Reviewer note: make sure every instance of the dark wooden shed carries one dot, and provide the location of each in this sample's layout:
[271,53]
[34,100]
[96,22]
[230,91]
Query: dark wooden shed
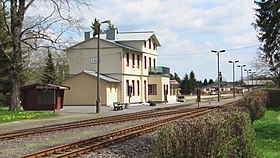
[42,96]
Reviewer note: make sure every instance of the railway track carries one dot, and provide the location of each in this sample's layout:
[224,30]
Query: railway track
[84,146]
[98,121]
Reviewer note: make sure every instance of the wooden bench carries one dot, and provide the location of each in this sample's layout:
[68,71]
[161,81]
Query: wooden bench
[118,106]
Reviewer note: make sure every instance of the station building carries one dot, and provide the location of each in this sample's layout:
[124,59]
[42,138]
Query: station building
[128,61]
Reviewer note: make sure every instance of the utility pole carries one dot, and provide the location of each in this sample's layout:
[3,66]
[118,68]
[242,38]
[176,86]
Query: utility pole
[218,60]
[98,103]
[233,76]
[241,76]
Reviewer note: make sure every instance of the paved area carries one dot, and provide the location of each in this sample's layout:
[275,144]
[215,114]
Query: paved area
[76,113]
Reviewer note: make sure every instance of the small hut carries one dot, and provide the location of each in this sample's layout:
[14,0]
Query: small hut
[42,96]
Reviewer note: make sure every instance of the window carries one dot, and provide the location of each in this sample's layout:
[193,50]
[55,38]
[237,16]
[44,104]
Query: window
[150,43]
[138,61]
[127,59]
[127,87]
[133,60]
[154,62]
[133,87]
[145,44]
[150,62]
[138,87]
[145,62]
[110,87]
[155,46]
[152,89]
[165,89]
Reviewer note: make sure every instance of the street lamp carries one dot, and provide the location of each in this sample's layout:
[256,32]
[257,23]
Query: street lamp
[98,106]
[218,60]
[233,75]
[241,76]
[248,70]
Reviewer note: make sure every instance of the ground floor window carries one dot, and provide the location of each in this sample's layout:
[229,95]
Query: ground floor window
[152,89]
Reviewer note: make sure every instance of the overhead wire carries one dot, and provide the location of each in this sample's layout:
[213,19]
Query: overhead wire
[208,52]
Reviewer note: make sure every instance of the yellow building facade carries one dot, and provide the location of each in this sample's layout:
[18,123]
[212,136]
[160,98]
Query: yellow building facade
[128,57]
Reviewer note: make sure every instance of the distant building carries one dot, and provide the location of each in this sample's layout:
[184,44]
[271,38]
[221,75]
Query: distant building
[127,57]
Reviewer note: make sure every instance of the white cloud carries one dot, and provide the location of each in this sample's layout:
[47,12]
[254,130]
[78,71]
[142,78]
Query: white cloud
[185,27]
[247,38]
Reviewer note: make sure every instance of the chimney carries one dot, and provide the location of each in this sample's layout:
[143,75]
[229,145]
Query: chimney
[111,34]
[87,36]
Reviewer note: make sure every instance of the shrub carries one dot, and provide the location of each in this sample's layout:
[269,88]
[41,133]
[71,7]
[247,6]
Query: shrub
[273,99]
[219,134]
[255,103]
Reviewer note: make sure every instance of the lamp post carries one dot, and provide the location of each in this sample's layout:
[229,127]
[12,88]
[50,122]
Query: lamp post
[218,60]
[241,76]
[98,106]
[233,75]
[248,70]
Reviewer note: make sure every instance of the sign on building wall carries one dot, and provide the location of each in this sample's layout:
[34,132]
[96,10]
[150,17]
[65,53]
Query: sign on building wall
[93,60]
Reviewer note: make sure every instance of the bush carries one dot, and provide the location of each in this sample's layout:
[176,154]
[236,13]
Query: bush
[273,99]
[255,103]
[219,134]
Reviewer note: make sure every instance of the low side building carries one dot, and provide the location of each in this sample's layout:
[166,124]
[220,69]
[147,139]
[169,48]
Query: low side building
[83,89]
[42,96]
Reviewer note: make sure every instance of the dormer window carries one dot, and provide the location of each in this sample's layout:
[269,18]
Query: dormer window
[155,46]
[150,43]
[145,44]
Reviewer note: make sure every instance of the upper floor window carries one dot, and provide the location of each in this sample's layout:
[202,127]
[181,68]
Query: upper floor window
[150,62]
[145,44]
[145,62]
[150,43]
[133,60]
[138,61]
[127,59]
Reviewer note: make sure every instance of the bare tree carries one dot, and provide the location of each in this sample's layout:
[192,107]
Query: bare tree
[35,31]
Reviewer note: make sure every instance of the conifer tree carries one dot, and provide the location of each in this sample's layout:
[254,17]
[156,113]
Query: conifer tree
[267,25]
[49,75]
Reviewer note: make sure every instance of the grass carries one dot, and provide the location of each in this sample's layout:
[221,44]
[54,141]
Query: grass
[10,116]
[268,133]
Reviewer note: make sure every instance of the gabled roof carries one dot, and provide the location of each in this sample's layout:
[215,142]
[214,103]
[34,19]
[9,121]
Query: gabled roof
[174,82]
[136,36]
[103,77]
[45,86]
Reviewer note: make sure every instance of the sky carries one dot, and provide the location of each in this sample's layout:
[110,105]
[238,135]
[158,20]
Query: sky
[187,30]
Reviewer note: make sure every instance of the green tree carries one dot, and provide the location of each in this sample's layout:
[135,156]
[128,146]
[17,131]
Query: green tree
[267,25]
[5,60]
[192,82]
[177,78]
[211,81]
[185,85]
[205,82]
[30,32]
[95,26]
[49,75]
